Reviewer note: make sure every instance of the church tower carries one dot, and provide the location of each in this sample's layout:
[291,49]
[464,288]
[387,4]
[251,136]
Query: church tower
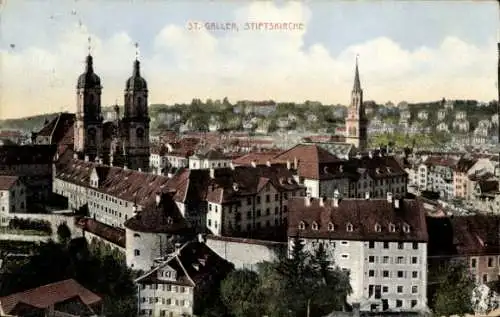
[136,121]
[89,120]
[356,121]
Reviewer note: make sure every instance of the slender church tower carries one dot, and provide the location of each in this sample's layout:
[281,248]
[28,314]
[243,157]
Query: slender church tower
[89,120]
[136,120]
[356,121]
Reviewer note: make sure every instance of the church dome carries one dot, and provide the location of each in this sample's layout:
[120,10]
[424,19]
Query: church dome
[136,82]
[89,79]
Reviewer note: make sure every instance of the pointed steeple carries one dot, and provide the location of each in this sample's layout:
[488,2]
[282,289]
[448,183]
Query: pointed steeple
[137,66]
[89,62]
[357,83]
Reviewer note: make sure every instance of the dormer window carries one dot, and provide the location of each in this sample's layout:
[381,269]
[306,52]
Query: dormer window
[302,225]
[314,225]
[331,227]
[392,228]
[349,227]
[406,228]
[378,228]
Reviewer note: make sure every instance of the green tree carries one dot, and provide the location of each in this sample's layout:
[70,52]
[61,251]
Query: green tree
[63,233]
[453,296]
[240,293]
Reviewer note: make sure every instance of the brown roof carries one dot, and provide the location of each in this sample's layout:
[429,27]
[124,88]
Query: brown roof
[364,216]
[111,234]
[464,235]
[58,127]
[212,154]
[310,158]
[48,295]
[377,166]
[10,134]
[27,154]
[464,165]
[6,182]
[194,263]
[440,161]
[260,158]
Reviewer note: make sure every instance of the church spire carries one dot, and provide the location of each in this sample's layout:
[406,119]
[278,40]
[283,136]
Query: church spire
[89,62]
[357,83]
[137,66]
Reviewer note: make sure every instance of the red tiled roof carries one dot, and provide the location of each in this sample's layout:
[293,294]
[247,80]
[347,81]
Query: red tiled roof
[310,158]
[260,158]
[111,234]
[440,161]
[48,295]
[364,216]
[6,182]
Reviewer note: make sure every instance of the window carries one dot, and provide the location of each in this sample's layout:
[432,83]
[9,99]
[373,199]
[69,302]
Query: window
[385,259]
[414,289]
[136,235]
[406,228]
[349,227]
[345,256]
[414,303]
[371,244]
[400,260]
[392,228]
[400,274]
[385,289]
[258,199]
[415,245]
[473,263]
[386,245]
[137,252]
[378,228]
[399,303]
[344,243]
[401,245]
[315,226]
[331,227]
[414,274]
[400,289]
[249,200]
[485,278]
[302,225]
[414,260]
[385,273]
[371,259]
[490,262]
[371,273]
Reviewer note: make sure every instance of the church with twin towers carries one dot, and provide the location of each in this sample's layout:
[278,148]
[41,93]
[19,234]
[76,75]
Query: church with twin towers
[123,141]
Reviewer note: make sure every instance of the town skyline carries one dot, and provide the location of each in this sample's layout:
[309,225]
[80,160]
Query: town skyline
[440,57]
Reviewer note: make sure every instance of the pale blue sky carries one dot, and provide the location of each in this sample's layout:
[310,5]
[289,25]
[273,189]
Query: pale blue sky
[333,30]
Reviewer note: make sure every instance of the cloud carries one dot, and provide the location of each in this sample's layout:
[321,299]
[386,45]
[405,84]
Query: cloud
[186,64]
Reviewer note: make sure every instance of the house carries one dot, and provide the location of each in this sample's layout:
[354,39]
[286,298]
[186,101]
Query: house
[436,174]
[157,159]
[65,298]
[473,239]
[33,165]
[382,243]
[423,115]
[12,198]
[178,285]
[210,159]
[460,177]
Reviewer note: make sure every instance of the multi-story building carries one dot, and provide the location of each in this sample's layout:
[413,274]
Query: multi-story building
[461,177]
[472,239]
[33,165]
[436,174]
[210,159]
[177,286]
[381,242]
[157,160]
[12,198]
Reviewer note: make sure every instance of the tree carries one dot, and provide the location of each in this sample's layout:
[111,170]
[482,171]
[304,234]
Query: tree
[453,296]
[240,293]
[63,233]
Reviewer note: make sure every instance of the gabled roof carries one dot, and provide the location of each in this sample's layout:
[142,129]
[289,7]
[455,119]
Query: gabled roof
[48,295]
[194,263]
[464,165]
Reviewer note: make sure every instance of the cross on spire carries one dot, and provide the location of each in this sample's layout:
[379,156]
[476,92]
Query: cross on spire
[136,51]
[90,45]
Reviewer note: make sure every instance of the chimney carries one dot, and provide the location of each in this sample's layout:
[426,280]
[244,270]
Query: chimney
[295,163]
[321,202]
[139,169]
[268,163]
[288,165]
[86,158]
[370,154]
[396,203]
[307,201]
[389,197]
[125,167]
[367,195]
[254,164]
[212,173]
[201,238]
[158,199]
[75,156]
[231,165]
